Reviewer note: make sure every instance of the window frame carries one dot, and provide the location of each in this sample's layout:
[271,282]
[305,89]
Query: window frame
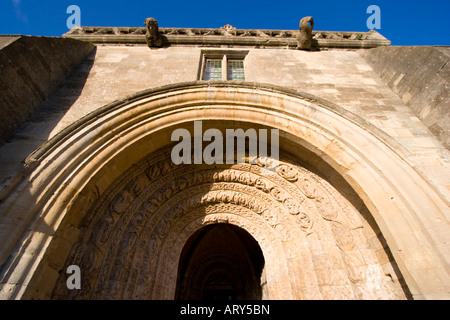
[237,70]
[206,67]
[225,56]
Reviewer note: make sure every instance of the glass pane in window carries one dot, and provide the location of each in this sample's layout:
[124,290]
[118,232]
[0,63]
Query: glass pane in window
[236,70]
[213,70]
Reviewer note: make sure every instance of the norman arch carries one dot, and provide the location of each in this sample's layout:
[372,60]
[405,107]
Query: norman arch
[220,262]
[100,171]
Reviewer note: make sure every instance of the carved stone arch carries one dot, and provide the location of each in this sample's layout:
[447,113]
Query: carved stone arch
[63,180]
[218,190]
[275,267]
[134,236]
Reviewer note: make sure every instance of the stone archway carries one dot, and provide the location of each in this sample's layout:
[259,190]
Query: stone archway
[316,242]
[77,187]
[220,262]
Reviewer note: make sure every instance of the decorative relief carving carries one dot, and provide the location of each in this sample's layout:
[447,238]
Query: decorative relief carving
[343,236]
[132,228]
[121,202]
[102,231]
[283,36]
[288,172]
[277,193]
[323,205]
[228,30]
[292,206]
[262,185]
[305,222]
[309,188]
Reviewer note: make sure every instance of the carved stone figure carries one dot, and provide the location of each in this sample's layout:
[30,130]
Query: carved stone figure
[228,30]
[288,173]
[305,36]
[152,35]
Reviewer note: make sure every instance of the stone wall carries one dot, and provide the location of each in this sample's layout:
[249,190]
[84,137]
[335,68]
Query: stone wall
[31,69]
[420,76]
[343,77]
[375,140]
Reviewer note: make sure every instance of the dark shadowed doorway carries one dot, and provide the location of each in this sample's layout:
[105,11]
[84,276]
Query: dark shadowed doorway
[220,262]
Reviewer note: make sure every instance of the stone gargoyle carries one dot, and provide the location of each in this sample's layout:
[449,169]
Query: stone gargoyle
[152,35]
[304,38]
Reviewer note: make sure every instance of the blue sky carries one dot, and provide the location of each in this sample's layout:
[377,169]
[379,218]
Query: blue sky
[414,22]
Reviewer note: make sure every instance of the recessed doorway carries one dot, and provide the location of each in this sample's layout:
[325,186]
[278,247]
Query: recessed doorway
[220,262]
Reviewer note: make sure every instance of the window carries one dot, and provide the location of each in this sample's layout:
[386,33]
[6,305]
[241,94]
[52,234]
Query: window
[223,65]
[213,70]
[236,70]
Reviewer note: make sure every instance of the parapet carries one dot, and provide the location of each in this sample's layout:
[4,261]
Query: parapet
[228,36]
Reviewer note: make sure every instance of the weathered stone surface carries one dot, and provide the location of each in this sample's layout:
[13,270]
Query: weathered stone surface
[305,37]
[32,68]
[394,219]
[357,210]
[152,34]
[156,214]
[421,78]
[229,37]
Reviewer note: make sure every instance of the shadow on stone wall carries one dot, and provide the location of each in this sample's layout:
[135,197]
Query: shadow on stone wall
[28,127]
[420,76]
[31,69]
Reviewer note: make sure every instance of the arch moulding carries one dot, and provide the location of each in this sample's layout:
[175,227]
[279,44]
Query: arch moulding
[63,179]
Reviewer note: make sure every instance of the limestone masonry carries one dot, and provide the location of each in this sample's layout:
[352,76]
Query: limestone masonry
[358,207]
